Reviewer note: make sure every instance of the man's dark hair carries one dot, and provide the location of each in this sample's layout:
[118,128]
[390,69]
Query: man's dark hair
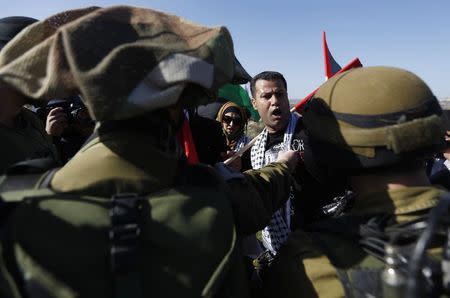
[267,76]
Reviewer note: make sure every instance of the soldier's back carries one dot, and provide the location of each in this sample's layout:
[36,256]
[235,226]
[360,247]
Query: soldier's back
[118,229]
[329,260]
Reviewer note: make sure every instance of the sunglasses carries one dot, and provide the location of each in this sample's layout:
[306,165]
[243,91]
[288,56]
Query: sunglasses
[228,119]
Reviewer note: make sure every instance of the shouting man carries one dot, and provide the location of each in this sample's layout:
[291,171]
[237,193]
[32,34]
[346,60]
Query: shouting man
[315,187]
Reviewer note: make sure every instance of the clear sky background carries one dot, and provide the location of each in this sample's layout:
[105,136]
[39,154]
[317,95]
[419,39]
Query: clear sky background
[287,35]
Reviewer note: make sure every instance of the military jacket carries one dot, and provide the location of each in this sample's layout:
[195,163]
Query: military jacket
[189,233]
[305,268]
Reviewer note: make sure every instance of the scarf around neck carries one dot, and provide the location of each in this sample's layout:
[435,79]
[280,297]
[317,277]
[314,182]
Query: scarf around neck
[276,233]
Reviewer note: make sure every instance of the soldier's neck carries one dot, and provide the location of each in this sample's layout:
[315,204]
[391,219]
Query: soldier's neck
[368,184]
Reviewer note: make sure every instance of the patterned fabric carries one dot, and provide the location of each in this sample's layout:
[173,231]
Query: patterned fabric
[276,233]
[243,140]
[125,61]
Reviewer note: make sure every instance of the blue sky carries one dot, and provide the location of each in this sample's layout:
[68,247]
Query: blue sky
[287,35]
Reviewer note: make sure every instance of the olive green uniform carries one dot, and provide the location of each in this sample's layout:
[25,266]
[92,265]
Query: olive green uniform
[53,253]
[27,140]
[305,268]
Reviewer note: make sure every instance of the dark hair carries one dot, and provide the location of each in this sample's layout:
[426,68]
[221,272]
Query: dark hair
[267,76]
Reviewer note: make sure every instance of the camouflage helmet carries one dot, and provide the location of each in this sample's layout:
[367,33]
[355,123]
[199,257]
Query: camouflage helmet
[374,117]
[125,61]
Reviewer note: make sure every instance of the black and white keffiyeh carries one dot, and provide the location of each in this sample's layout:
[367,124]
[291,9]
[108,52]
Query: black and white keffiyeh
[276,233]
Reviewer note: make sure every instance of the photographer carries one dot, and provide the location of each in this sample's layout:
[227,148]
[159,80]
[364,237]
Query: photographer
[68,122]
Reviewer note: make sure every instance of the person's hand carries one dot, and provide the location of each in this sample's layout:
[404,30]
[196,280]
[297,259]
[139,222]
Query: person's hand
[56,122]
[290,157]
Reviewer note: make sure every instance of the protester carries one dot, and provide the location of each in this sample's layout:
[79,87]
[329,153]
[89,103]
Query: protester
[127,215]
[233,120]
[377,124]
[22,133]
[285,131]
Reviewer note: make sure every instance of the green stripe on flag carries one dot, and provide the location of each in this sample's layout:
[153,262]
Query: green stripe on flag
[239,96]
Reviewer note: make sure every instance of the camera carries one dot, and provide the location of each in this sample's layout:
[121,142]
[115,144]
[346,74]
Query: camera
[74,108]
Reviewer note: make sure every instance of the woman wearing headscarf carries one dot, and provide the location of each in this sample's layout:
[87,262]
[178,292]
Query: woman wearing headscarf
[233,119]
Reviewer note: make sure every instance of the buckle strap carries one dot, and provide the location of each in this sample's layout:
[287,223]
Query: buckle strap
[125,213]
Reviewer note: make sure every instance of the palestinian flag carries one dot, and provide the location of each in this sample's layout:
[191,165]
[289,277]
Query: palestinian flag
[331,66]
[239,96]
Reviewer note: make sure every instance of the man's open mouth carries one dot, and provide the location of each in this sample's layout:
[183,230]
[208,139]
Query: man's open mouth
[276,112]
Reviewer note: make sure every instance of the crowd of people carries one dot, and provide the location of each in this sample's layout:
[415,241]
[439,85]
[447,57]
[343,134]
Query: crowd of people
[114,182]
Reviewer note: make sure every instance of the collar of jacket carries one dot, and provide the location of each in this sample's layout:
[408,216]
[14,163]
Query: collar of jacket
[118,162]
